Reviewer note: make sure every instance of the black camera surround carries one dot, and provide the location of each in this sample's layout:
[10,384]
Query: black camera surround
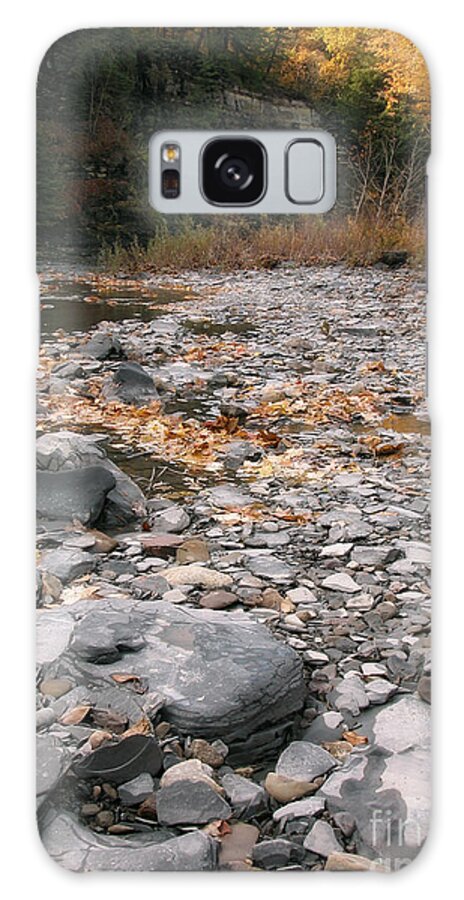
[233,171]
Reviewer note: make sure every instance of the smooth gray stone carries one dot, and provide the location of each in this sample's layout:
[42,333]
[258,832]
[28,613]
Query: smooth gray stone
[68,450]
[102,346]
[377,555]
[247,798]
[271,568]
[243,686]
[186,802]
[73,494]
[303,761]
[171,520]
[80,850]
[104,638]
[67,564]
[123,761]
[130,383]
[350,694]
[52,761]
[321,840]
[136,790]
[53,633]
[238,452]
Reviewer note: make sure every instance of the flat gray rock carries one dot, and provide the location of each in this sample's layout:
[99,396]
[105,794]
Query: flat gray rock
[136,790]
[102,346]
[75,494]
[376,555]
[53,633]
[321,840]
[310,806]
[67,450]
[350,694]
[247,798]
[225,496]
[171,520]
[52,761]
[80,850]
[303,761]
[130,383]
[222,675]
[277,853]
[341,581]
[385,785]
[270,568]
[187,802]
[67,564]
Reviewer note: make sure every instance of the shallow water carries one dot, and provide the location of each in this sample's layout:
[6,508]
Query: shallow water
[79,306]
[404,423]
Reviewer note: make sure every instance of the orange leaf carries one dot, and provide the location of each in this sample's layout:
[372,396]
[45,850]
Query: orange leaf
[353,738]
[124,677]
[76,715]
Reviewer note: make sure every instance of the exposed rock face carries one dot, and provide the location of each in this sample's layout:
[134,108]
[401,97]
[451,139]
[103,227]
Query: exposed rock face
[76,494]
[386,786]
[222,675]
[116,498]
[80,850]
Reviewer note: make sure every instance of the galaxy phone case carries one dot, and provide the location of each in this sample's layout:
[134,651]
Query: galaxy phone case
[233,664]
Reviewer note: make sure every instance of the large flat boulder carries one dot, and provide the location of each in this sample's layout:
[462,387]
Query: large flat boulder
[385,785]
[80,850]
[223,676]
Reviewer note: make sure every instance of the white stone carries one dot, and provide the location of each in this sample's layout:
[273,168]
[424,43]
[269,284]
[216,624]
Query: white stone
[341,581]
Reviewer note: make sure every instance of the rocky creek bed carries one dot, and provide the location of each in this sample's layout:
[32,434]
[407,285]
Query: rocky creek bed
[233,666]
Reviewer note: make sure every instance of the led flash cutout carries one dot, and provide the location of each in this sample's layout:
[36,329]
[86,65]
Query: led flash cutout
[170,153]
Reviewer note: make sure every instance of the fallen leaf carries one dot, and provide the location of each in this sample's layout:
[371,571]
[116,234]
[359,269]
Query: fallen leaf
[217,829]
[75,716]
[97,738]
[143,726]
[124,677]
[353,738]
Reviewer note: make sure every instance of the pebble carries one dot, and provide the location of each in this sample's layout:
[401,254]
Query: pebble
[135,791]
[208,753]
[285,789]
[191,551]
[185,802]
[342,582]
[196,575]
[299,809]
[218,600]
[237,845]
[246,798]
[276,854]
[321,839]
[304,761]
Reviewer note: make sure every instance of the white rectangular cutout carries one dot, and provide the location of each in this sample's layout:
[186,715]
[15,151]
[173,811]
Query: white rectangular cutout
[300,172]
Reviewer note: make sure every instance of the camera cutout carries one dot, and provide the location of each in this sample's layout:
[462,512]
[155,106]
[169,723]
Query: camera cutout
[233,171]
[289,171]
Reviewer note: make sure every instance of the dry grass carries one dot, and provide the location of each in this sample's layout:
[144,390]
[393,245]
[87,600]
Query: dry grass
[237,243]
